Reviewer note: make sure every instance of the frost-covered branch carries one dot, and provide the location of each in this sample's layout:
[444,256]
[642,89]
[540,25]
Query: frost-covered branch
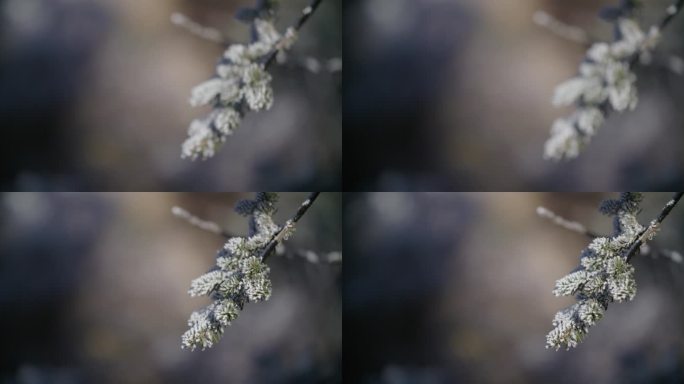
[605,274]
[606,81]
[242,82]
[561,29]
[280,250]
[650,232]
[241,275]
[579,228]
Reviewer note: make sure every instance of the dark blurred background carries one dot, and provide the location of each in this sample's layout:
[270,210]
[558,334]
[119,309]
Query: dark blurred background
[93,289]
[456,95]
[456,288]
[94,96]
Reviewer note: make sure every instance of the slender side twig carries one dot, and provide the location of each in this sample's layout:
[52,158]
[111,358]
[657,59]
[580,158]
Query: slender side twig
[195,221]
[278,237]
[649,231]
[562,29]
[197,29]
[562,222]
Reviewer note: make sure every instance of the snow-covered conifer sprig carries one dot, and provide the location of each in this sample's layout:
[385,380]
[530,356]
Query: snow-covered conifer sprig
[242,82]
[241,275]
[604,275]
[605,81]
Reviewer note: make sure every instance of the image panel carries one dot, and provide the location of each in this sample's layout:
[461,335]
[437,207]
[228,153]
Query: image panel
[170,288]
[513,288]
[179,95]
[488,95]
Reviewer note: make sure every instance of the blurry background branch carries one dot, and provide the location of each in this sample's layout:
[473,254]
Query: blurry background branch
[211,34]
[202,224]
[562,222]
[566,31]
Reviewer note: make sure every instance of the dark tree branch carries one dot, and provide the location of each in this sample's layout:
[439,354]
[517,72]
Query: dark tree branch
[303,18]
[643,235]
[278,237]
[672,11]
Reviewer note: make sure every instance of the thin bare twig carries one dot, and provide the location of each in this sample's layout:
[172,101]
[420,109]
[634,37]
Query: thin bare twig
[195,221]
[562,29]
[197,29]
[562,222]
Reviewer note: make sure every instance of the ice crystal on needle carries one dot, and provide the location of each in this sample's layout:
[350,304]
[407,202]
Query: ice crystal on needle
[604,275]
[240,275]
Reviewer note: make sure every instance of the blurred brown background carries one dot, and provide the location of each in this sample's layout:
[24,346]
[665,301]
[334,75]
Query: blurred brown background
[93,289]
[94,96]
[456,288]
[456,95]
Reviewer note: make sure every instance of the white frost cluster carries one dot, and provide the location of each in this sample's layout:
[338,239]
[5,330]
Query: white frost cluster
[240,277]
[241,84]
[604,276]
[605,81]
